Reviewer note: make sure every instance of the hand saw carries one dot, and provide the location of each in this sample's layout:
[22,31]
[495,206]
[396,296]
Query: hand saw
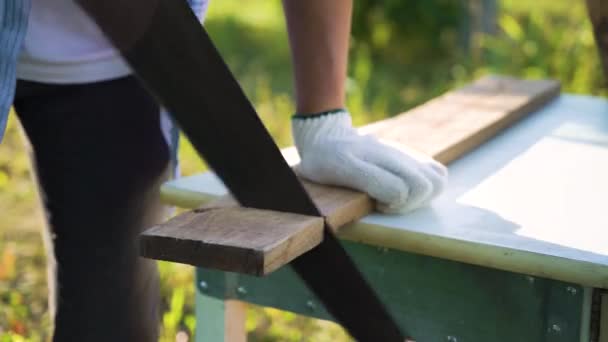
[174,57]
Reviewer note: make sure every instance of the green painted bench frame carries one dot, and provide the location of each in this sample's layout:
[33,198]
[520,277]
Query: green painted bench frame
[444,301]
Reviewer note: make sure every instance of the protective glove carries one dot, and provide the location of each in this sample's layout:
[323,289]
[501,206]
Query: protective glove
[332,152]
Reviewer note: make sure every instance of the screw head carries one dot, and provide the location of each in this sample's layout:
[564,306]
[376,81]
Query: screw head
[451,338]
[203,285]
[556,328]
[311,305]
[241,290]
[530,279]
[571,290]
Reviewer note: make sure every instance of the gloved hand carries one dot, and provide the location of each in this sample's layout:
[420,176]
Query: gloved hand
[332,152]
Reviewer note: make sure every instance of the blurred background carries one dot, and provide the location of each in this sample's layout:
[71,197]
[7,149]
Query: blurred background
[402,54]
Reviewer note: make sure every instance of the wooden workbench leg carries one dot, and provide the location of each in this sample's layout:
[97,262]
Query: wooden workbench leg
[599,20]
[218,320]
[234,321]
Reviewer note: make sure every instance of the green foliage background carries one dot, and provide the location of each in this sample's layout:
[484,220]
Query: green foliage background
[403,53]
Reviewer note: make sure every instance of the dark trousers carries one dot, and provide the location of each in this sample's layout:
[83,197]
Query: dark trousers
[99,157]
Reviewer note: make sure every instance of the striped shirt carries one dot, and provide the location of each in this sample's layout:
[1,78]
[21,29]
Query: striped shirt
[13,25]
[14,16]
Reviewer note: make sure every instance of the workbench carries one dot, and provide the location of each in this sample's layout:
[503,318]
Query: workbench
[516,249]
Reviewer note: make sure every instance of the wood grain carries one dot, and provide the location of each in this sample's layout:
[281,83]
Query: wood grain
[239,239]
[598,13]
[449,126]
[232,238]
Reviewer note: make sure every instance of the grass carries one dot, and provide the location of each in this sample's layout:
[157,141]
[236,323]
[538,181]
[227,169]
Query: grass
[543,39]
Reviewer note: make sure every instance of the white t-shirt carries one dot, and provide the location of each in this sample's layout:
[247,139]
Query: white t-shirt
[63,45]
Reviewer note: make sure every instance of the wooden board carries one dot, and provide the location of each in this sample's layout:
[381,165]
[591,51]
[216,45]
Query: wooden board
[230,238]
[444,128]
[457,122]
[598,14]
[525,201]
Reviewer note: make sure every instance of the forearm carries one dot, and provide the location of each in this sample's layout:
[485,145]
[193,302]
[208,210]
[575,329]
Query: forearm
[319,32]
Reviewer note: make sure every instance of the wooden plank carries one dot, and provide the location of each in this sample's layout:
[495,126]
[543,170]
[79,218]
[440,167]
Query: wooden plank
[599,19]
[457,122]
[223,236]
[444,128]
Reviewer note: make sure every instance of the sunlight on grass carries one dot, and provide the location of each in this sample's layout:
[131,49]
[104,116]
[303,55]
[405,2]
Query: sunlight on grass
[257,14]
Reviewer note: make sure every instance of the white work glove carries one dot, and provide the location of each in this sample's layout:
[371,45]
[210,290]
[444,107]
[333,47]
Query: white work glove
[333,152]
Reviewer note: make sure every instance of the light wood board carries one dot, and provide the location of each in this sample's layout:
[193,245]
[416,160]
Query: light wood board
[445,128]
[451,125]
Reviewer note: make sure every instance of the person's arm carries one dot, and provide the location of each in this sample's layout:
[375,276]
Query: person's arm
[331,150]
[319,32]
